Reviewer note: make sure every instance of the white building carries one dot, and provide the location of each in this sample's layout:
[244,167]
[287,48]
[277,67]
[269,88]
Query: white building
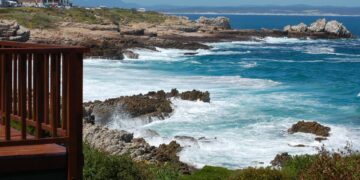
[141,10]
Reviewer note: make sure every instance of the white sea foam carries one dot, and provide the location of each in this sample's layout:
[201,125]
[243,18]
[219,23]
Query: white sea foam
[284,40]
[248,65]
[237,146]
[358,95]
[162,54]
[118,78]
[320,50]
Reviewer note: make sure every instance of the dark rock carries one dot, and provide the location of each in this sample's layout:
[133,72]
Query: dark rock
[167,152]
[299,145]
[320,139]
[196,95]
[133,32]
[186,138]
[190,53]
[280,159]
[151,105]
[186,28]
[310,127]
[174,93]
[131,54]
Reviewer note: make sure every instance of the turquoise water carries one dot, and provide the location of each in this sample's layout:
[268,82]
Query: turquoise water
[258,90]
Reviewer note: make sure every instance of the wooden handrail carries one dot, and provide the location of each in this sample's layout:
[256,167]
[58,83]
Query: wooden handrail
[36,92]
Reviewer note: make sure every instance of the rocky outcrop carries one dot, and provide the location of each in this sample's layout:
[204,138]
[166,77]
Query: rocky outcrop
[195,95]
[310,127]
[318,26]
[337,28]
[321,28]
[117,142]
[218,22]
[297,28]
[168,153]
[12,31]
[151,105]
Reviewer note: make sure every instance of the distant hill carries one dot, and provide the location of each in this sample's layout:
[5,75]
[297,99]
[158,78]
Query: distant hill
[268,9]
[296,9]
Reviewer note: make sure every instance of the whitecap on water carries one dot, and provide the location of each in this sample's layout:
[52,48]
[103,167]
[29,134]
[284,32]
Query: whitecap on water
[319,50]
[248,65]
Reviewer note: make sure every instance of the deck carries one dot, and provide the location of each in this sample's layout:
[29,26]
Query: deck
[36,157]
[40,96]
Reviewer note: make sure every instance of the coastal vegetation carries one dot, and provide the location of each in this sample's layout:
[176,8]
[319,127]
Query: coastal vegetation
[47,18]
[344,164]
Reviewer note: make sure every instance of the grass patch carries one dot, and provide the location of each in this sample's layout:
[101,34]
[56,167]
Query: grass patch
[99,166]
[324,165]
[47,18]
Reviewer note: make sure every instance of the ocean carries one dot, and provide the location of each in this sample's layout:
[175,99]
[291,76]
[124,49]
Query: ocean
[258,90]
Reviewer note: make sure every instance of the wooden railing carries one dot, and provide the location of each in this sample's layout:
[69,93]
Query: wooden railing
[41,90]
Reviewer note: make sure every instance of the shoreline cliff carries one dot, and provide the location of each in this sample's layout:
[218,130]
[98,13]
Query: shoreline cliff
[112,33]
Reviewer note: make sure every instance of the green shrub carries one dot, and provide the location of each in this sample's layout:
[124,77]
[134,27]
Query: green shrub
[209,173]
[296,165]
[100,166]
[257,174]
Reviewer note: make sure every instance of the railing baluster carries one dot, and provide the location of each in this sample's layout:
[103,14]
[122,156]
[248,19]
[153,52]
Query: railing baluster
[39,93]
[55,93]
[46,88]
[2,76]
[65,62]
[15,91]
[30,89]
[8,104]
[22,93]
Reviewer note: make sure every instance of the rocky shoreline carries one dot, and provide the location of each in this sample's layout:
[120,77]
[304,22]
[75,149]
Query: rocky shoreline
[119,142]
[115,41]
[158,105]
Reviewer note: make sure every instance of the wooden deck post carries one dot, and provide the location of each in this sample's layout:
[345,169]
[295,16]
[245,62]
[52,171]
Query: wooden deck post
[74,115]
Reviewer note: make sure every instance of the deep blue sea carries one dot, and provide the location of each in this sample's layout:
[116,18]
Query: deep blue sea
[258,90]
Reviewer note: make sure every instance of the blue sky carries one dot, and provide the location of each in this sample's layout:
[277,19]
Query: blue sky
[244,2]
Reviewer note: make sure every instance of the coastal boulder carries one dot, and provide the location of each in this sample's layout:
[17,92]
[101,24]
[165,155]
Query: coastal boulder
[310,127]
[318,25]
[337,28]
[219,22]
[297,28]
[12,31]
